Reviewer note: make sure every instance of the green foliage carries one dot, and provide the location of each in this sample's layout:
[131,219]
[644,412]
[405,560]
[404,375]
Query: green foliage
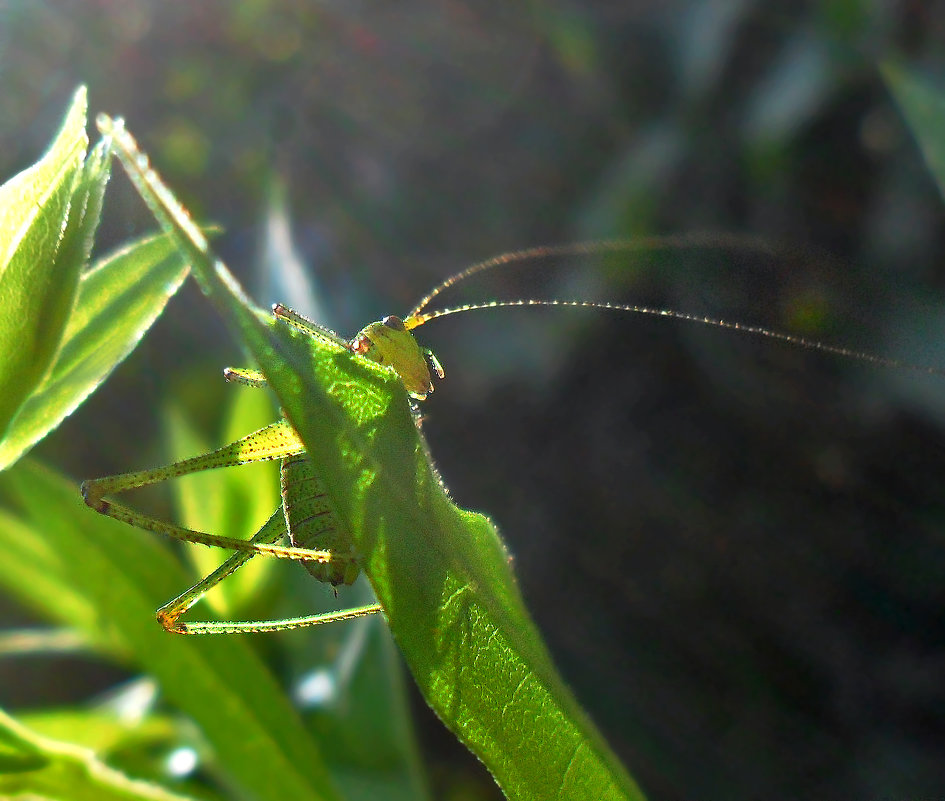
[37,766]
[46,225]
[441,573]
[64,328]
[105,581]
[125,575]
[677,502]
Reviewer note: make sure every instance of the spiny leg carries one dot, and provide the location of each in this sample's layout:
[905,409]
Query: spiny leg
[271,531]
[274,528]
[306,325]
[275,441]
[261,626]
[242,375]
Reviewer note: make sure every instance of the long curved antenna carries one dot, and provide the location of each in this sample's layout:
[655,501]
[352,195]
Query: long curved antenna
[415,321]
[719,241]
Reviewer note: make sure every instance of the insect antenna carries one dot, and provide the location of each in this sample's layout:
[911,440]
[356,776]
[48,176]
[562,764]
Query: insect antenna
[646,244]
[418,317]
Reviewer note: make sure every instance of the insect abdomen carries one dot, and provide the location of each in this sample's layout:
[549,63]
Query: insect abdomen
[313,524]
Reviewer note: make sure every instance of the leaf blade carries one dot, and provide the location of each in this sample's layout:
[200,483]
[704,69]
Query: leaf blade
[40,257]
[117,302]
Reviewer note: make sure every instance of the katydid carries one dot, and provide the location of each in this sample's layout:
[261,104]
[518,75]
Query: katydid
[317,537]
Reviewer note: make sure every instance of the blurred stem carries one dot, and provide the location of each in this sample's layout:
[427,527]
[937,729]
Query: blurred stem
[32,765]
[30,642]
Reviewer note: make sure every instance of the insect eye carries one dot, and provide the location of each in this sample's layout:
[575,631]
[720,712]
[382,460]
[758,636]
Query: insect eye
[394,322]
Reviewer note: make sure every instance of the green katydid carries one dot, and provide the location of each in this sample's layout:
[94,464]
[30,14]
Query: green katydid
[306,517]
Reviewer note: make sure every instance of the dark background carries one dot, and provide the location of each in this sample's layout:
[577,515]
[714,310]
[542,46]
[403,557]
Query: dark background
[734,548]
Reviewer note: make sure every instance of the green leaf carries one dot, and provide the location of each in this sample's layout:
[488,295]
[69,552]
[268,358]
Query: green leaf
[924,110]
[44,232]
[32,766]
[117,301]
[122,575]
[440,572]
[104,729]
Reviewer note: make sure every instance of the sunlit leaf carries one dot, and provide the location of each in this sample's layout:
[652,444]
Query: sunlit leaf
[43,236]
[117,301]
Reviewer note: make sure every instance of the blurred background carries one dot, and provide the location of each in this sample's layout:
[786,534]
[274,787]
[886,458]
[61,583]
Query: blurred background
[735,549]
